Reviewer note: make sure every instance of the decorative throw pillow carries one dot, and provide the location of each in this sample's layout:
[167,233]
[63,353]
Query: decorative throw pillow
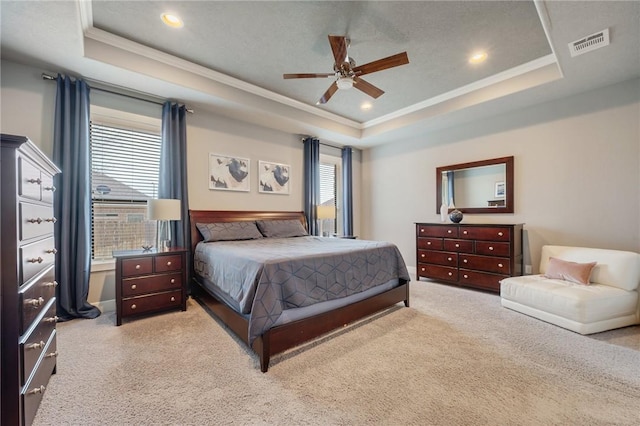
[228,231]
[281,228]
[578,273]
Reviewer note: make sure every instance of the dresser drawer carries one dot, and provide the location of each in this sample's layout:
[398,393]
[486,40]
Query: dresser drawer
[47,188]
[29,179]
[498,265]
[34,297]
[491,248]
[33,391]
[482,280]
[36,257]
[438,257]
[168,263]
[34,344]
[437,231]
[437,272]
[150,284]
[430,243]
[496,233]
[137,266]
[154,302]
[458,245]
[35,220]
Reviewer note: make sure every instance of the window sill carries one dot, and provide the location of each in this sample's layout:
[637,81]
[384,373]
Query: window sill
[103,265]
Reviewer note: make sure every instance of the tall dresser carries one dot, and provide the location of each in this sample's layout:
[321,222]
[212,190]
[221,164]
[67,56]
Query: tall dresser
[470,255]
[28,318]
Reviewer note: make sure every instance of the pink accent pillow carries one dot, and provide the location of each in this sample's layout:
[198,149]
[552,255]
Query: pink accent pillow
[578,273]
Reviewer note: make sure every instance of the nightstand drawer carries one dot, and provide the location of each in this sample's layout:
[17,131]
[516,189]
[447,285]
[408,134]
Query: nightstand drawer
[168,263]
[152,283]
[137,266]
[151,303]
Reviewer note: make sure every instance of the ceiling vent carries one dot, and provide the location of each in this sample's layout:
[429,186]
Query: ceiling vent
[589,43]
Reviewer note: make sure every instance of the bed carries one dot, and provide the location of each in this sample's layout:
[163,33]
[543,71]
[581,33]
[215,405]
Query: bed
[286,302]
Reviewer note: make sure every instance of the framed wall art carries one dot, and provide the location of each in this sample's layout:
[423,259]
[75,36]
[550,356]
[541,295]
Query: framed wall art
[229,173]
[273,178]
[500,190]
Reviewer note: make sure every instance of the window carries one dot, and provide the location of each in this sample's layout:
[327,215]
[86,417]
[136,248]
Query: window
[124,175]
[329,184]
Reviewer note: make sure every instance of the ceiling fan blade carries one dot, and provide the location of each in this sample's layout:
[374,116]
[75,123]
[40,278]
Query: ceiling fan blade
[339,48]
[329,93]
[367,88]
[382,64]
[326,75]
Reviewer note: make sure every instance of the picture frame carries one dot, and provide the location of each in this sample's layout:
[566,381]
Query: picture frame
[229,173]
[274,178]
[501,189]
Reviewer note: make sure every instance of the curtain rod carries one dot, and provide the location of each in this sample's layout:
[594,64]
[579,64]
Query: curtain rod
[302,138]
[113,92]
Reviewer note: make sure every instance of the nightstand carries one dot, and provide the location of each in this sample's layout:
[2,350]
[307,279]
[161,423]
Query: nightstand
[150,281]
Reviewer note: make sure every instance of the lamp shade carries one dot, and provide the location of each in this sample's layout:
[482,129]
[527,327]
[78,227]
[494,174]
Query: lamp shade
[163,209]
[326,212]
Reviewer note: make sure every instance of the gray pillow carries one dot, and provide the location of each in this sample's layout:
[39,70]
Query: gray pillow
[228,231]
[281,228]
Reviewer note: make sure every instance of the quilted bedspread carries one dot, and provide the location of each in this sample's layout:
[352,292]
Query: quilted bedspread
[269,275]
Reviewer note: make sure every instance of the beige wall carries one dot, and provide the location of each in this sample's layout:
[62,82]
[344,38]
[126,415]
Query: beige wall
[577,173]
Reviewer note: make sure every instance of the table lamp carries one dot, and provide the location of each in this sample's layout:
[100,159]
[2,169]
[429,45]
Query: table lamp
[163,210]
[324,213]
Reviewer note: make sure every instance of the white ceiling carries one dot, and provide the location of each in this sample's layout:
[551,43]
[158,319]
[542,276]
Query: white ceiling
[230,56]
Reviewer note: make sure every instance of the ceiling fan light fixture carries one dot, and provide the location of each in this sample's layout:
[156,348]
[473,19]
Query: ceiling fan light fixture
[478,57]
[171,20]
[345,83]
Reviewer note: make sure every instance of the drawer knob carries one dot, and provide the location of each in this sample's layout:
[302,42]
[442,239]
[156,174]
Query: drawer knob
[450,273]
[137,266]
[36,345]
[35,260]
[500,265]
[51,319]
[422,269]
[38,181]
[36,390]
[466,276]
[465,260]
[421,230]
[422,255]
[52,251]
[173,299]
[133,306]
[449,259]
[449,231]
[500,234]
[50,219]
[465,232]
[133,286]
[169,263]
[490,248]
[34,302]
[173,280]
[52,354]
[428,243]
[36,220]
[457,245]
[49,188]
[51,284]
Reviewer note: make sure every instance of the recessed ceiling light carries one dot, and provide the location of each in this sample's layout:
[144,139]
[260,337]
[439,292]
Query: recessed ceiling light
[171,20]
[366,106]
[478,57]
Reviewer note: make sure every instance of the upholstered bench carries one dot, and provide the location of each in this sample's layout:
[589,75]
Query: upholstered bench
[608,300]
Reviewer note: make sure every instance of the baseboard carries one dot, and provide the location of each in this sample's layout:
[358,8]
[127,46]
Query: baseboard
[105,305]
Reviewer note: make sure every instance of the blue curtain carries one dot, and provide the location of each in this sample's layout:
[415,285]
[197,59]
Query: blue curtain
[172,182]
[347,191]
[72,204]
[311,182]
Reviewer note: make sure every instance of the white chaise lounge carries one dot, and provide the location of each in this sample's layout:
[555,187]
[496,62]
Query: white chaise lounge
[609,301]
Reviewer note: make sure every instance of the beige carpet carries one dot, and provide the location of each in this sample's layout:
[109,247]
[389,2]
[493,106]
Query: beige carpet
[455,358]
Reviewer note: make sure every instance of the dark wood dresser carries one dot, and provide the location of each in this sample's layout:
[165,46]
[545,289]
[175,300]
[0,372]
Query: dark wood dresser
[150,281]
[28,319]
[470,255]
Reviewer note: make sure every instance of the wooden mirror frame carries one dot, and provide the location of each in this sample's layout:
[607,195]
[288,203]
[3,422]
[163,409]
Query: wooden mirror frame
[507,161]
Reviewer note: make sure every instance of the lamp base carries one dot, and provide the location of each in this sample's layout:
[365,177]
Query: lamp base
[163,242]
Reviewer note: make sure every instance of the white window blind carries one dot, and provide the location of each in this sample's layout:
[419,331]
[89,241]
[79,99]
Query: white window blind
[124,174]
[328,193]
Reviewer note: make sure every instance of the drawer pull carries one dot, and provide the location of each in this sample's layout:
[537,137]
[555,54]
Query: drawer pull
[34,302]
[133,286]
[421,230]
[38,181]
[500,234]
[51,319]
[422,255]
[466,276]
[51,219]
[133,306]
[457,245]
[36,345]
[173,280]
[422,269]
[173,299]
[35,260]
[34,391]
[449,259]
[51,354]
[51,284]
[465,260]
[428,243]
[36,220]
[449,231]
[450,273]
[49,188]
[500,265]
[51,251]
[490,248]
[137,266]
[169,263]
[465,232]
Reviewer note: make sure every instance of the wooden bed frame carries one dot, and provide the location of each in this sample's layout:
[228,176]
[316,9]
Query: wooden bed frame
[286,336]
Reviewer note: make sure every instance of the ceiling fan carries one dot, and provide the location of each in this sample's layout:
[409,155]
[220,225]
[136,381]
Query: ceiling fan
[347,74]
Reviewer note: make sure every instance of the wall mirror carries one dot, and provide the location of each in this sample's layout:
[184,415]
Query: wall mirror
[478,187]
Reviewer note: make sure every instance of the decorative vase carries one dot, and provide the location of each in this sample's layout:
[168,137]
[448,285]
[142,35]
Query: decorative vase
[443,212]
[455,216]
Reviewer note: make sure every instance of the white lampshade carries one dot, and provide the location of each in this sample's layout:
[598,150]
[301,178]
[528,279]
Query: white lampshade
[163,209]
[326,212]
[345,83]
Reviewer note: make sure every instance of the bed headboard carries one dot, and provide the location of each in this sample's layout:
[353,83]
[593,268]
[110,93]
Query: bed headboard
[211,216]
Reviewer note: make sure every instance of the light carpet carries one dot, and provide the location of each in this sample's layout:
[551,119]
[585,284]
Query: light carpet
[456,357]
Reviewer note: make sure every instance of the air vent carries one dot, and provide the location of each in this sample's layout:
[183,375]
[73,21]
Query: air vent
[589,43]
